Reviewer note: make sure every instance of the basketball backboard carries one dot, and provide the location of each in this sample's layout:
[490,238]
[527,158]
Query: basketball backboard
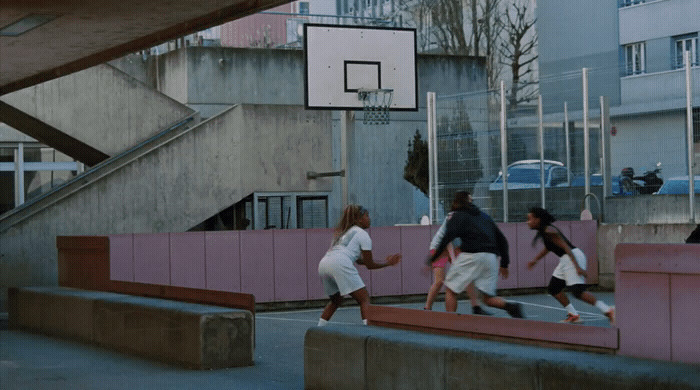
[342,60]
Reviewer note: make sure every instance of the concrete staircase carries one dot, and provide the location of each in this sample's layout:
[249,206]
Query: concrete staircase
[91,115]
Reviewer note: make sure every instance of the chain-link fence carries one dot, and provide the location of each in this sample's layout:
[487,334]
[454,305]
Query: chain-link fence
[636,142]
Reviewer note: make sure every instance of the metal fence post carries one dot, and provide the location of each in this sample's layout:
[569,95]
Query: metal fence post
[540,143]
[586,140]
[432,156]
[568,144]
[689,134]
[605,150]
[504,151]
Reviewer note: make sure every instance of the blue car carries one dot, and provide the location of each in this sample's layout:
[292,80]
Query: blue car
[678,185]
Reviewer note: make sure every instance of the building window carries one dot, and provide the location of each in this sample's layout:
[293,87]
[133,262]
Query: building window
[274,212]
[696,124]
[627,3]
[635,58]
[686,44]
[303,8]
[312,212]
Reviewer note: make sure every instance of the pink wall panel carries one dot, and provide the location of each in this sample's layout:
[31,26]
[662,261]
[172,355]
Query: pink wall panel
[317,243]
[152,258]
[290,265]
[121,257]
[223,261]
[685,318]
[415,241]
[386,240]
[257,268]
[583,235]
[529,277]
[187,260]
[510,231]
[643,315]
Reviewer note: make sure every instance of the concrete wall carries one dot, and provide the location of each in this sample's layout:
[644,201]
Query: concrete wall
[371,357]
[642,141]
[611,234]
[174,187]
[658,90]
[210,79]
[649,209]
[659,18]
[568,42]
[100,106]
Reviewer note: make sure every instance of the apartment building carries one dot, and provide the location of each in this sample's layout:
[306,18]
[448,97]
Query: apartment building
[634,52]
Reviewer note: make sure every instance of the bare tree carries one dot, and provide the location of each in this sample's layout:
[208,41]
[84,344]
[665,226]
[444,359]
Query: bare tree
[491,27]
[443,25]
[518,52]
[448,26]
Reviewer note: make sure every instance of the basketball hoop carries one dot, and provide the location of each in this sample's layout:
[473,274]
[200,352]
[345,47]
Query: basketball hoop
[376,103]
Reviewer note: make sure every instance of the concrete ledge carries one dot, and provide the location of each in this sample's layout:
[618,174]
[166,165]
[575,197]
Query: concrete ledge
[379,358]
[195,335]
[543,334]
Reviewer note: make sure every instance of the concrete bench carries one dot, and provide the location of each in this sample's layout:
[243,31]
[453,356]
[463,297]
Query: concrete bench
[369,357]
[195,335]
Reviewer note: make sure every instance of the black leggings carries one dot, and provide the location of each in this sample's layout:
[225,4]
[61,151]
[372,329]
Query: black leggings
[556,286]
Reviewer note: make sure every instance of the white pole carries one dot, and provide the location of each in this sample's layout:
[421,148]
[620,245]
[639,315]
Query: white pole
[689,135]
[504,152]
[432,156]
[19,175]
[586,141]
[568,145]
[605,150]
[540,138]
[345,118]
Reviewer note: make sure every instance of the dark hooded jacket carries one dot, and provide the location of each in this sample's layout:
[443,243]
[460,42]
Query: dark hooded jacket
[478,233]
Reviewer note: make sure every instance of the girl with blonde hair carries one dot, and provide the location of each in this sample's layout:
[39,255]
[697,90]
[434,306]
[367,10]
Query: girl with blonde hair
[351,244]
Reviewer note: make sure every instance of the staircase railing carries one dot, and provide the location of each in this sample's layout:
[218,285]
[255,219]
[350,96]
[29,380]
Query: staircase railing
[97,172]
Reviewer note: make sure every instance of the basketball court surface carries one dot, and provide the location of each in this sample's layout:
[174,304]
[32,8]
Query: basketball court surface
[30,361]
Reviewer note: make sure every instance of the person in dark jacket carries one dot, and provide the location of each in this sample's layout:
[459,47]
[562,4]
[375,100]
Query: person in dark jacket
[482,242]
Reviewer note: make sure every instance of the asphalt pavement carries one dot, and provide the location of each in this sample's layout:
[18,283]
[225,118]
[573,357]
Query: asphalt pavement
[37,362]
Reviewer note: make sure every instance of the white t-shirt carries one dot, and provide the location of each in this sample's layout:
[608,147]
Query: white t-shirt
[352,243]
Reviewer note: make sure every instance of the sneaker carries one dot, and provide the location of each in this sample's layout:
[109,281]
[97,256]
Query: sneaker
[479,311]
[572,319]
[611,315]
[514,309]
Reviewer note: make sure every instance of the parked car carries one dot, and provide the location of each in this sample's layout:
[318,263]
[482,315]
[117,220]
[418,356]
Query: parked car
[597,180]
[678,185]
[526,174]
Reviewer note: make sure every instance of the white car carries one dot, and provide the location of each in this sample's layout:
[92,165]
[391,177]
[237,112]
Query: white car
[526,174]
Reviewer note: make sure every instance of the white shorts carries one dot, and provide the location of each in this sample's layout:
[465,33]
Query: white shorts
[339,275]
[480,268]
[566,271]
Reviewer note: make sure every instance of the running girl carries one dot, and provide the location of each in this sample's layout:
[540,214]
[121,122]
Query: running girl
[571,269]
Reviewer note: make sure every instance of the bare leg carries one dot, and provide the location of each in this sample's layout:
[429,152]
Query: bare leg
[362,297]
[450,300]
[473,294]
[563,299]
[588,298]
[514,309]
[496,302]
[439,276]
[332,306]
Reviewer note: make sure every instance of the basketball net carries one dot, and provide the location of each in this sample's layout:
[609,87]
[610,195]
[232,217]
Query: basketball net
[376,103]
